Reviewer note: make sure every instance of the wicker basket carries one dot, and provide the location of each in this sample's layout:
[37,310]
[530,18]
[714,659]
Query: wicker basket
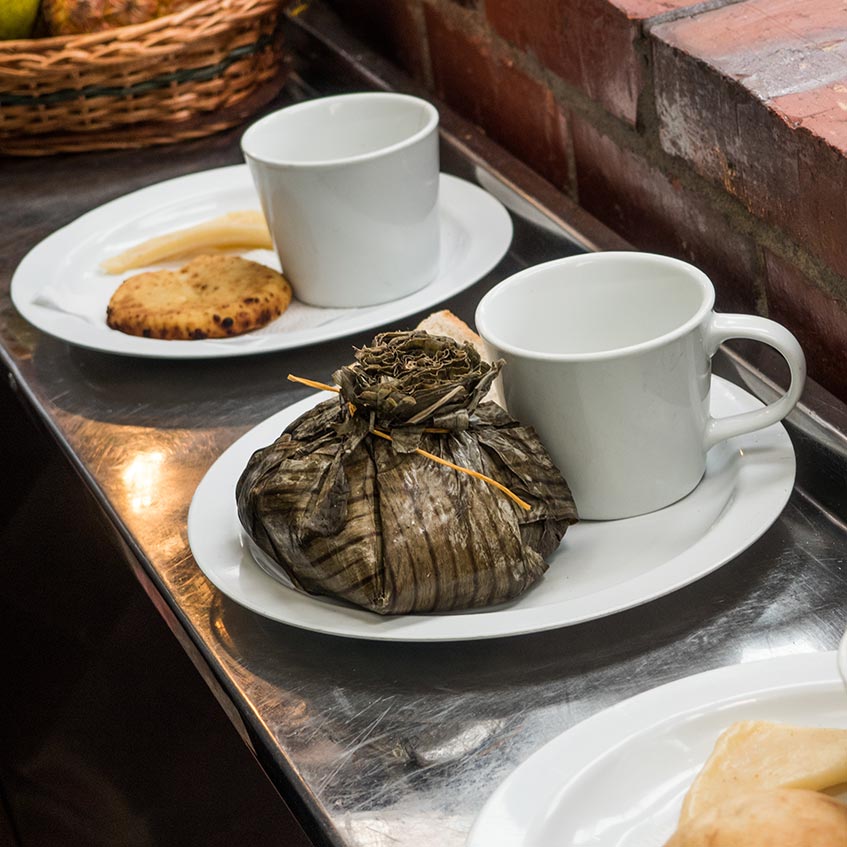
[189,74]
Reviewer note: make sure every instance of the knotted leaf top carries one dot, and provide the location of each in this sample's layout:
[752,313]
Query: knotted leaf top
[416,379]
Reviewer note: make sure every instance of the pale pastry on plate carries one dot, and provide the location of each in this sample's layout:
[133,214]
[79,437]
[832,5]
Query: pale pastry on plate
[761,787]
[754,755]
[781,817]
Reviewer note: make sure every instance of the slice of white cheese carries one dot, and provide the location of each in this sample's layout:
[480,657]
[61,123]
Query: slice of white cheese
[244,230]
[755,755]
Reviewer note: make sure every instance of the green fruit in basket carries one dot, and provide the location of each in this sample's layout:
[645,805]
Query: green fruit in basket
[17,18]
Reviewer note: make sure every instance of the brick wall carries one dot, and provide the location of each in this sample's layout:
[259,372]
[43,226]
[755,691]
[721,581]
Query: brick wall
[714,131]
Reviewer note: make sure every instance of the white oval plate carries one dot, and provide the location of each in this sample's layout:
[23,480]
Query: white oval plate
[59,288]
[618,778]
[600,568]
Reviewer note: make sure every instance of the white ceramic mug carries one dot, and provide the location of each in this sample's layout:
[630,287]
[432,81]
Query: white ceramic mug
[842,658]
[608,357]
[349,186]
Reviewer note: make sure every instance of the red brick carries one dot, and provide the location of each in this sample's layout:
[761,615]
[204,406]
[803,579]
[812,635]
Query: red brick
[776,47]
[658,214]
[821,111]
[544,27]
[590,44]
[514,109]
[646,9]
[391,27]
[818,319]
[751,96]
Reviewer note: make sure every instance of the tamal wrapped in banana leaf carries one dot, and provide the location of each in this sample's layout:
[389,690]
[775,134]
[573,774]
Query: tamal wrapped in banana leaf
[352,514]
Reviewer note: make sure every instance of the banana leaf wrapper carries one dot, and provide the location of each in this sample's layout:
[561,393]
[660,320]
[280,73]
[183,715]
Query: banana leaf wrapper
[350,515]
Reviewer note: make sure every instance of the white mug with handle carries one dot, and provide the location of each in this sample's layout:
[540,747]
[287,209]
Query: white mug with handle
[608,356]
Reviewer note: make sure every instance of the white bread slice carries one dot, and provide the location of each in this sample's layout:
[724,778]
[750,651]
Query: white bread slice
[446,323]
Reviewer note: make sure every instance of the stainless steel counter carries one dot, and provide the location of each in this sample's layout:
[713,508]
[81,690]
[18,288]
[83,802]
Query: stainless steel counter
[380,743]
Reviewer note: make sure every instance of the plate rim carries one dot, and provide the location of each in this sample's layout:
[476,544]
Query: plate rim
[374,627]
[671,702]
[454,203]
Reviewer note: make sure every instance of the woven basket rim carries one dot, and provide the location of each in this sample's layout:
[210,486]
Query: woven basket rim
[163,80]
[200,9]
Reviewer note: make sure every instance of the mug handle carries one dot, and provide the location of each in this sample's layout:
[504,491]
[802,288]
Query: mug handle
[723,327]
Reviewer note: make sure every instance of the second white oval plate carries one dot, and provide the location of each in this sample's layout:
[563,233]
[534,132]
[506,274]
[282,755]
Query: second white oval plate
[618,779]
[601,567]
[59,288]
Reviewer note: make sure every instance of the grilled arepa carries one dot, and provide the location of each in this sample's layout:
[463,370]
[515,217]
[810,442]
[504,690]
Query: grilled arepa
[211,297]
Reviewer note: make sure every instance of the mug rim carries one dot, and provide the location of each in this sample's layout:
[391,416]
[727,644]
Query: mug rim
[317,102]
[841,655]
[481,318]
